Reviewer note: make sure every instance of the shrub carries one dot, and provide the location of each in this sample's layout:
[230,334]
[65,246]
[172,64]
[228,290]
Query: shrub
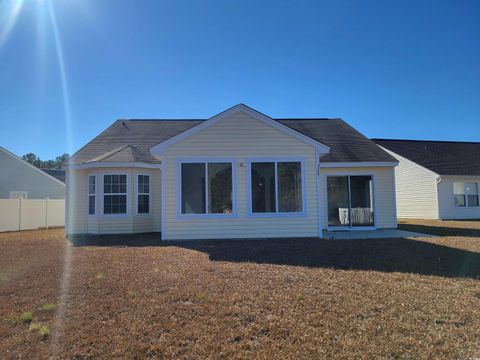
[26,317]
[48,307]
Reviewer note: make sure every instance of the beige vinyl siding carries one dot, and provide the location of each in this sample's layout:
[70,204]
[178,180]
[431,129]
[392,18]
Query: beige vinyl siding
[82,223]
[416,189]
[239,137]
[384,196]
[76,205]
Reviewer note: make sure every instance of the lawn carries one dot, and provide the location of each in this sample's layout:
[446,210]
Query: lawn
[302,298]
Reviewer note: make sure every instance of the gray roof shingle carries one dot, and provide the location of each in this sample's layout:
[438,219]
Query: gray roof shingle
[442,157]
[131,140]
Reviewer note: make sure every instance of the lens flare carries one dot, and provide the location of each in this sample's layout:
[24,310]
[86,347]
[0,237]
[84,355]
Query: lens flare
[9,11]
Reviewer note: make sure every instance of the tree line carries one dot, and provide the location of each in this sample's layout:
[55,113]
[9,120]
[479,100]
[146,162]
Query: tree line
[46,164]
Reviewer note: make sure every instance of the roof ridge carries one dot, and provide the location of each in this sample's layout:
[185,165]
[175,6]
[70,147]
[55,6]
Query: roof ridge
[306,118]
[432,141]
[161,119]
[112,152]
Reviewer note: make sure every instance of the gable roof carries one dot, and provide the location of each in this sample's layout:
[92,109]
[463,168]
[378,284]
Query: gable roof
[241,108]
[441,157]
[26,163]
[346,144]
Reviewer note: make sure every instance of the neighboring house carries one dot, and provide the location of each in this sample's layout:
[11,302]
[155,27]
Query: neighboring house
[239,174]
[436,179]
[20,179]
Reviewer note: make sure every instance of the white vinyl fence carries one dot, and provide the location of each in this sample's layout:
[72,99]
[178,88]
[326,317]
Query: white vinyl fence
[27,214]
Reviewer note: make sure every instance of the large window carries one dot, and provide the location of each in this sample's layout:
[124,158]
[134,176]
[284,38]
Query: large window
[206,188]
[350,201]
[143,194]
[465,194]
[276,187]
[91,194]
[115,194]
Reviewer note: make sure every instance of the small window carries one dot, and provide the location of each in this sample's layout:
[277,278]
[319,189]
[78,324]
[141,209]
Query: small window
[206,188]
[276,187]
[471,191]
[91,194]
[465,194]
[143,194]
[115,194]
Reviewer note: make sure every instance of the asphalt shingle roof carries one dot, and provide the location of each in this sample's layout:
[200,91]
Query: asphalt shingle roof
[131,140]
[56,173]
[442,157]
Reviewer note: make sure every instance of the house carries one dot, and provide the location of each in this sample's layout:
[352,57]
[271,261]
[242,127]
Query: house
[20,179]
[436,179]
[239,174]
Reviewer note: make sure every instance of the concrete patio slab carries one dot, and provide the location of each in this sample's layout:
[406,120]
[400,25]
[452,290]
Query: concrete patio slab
[372,234]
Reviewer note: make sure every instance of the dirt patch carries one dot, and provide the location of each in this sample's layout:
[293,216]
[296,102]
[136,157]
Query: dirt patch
[250,299]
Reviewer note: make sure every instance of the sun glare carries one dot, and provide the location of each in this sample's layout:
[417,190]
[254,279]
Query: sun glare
[9,11]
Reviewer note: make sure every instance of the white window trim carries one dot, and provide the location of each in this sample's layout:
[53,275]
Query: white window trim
[276,214]
[349,227]
[206,160]
[102,194]
[94,195]
[149,214]
[467,205]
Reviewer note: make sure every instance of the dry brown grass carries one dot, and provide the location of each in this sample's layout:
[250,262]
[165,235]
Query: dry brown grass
[246,299]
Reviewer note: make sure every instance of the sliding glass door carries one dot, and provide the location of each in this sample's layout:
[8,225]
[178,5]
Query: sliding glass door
[350,201]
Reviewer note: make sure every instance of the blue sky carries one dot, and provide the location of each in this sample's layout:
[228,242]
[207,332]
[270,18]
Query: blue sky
[394,69]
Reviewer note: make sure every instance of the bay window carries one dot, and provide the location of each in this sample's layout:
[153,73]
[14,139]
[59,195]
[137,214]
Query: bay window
[206,187]
[276,187]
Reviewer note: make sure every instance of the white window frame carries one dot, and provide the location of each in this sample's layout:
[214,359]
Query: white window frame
[102,194]
[90,195]
[139,193]
[325,208]
[205,161]
[275,160]
[467,205]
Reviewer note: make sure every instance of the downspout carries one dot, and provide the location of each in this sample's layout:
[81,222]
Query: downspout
[319,205]
[438,180]
[162,176]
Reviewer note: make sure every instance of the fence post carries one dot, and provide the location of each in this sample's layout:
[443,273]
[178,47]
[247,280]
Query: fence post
[46,213]
[20,214]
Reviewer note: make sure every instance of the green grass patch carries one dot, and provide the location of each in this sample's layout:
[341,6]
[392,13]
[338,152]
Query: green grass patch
[34,326]
[26,317]
[100,276]
[49,307]
[44,331]
[200,296]
[299,297]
